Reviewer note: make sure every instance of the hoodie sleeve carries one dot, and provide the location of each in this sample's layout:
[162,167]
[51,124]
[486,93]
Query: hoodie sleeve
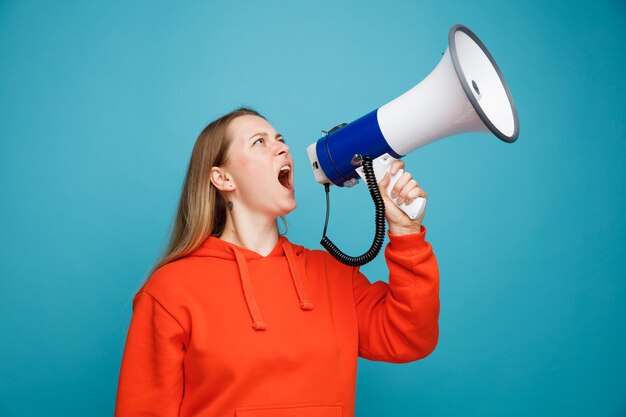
[151,376]
[398,322]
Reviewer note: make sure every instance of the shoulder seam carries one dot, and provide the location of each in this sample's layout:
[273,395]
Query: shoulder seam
[168,313]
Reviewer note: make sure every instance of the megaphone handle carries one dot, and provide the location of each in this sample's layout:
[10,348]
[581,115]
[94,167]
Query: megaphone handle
[417,206]
[381,165]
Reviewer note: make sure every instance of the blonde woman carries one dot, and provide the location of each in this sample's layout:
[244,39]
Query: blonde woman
[236,320]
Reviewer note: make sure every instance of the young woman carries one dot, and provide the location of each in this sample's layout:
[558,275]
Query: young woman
[235,320]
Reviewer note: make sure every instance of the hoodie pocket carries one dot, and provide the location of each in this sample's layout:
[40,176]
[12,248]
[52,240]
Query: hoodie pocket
[326,409]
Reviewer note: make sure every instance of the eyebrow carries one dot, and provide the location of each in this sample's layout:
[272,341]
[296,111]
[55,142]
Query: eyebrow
[278,135]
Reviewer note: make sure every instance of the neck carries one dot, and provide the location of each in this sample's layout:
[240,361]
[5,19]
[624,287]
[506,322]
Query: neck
[250,231]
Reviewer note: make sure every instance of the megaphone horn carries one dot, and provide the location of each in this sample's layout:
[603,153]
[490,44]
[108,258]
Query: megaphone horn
[466,92]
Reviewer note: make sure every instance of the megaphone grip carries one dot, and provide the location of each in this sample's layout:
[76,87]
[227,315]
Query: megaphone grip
[415,208]
[382,165]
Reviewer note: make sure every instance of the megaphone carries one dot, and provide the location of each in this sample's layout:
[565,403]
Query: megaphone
[466,92]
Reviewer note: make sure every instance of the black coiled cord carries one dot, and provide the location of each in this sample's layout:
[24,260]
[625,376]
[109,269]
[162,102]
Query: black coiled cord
[379,235]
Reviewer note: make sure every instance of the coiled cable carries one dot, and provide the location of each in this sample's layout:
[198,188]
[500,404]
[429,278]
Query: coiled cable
[379,235]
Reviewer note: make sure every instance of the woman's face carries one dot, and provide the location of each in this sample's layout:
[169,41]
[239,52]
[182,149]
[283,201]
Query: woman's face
[260,166]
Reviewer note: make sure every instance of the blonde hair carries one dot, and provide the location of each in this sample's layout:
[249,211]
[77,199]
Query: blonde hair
[201,209]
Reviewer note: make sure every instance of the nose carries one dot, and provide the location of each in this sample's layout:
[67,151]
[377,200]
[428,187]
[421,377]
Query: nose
[281,148]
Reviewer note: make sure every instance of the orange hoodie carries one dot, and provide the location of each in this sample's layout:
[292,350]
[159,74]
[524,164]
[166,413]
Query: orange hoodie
[228,332]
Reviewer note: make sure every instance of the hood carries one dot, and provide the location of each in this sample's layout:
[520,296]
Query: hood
[217,248]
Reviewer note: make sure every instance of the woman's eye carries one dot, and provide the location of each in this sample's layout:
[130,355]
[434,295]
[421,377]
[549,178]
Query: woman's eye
[260,140]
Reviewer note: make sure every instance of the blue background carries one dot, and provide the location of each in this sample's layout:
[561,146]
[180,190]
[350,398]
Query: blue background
[101,102]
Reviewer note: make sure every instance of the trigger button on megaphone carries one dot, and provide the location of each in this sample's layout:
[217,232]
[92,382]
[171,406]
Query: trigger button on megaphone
[357,160]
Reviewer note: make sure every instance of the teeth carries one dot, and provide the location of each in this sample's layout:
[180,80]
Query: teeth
[286,168]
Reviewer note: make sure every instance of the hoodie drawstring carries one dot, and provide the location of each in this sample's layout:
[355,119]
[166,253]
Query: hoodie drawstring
[305,302]
[257,320]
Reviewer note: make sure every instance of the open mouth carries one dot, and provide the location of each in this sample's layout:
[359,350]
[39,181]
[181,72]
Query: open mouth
[284,177]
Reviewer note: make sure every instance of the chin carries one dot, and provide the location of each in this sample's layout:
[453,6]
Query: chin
[287,208]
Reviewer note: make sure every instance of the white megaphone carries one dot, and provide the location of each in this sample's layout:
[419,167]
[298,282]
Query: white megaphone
[466,92]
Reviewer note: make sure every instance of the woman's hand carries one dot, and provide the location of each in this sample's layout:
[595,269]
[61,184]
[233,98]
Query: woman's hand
[407,190]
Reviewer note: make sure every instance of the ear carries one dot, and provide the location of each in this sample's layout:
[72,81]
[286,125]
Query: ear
[222,180]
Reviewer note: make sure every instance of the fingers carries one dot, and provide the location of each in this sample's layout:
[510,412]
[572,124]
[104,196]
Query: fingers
[406,189]
[397,165]
[401,183]
[413,194]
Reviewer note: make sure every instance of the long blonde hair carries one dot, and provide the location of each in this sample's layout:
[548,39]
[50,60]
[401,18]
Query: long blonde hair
[201,209]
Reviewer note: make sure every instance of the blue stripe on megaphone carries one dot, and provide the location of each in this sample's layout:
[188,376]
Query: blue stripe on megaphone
[363,136]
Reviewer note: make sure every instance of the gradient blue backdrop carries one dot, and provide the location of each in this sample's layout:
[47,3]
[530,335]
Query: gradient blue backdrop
[101,102]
